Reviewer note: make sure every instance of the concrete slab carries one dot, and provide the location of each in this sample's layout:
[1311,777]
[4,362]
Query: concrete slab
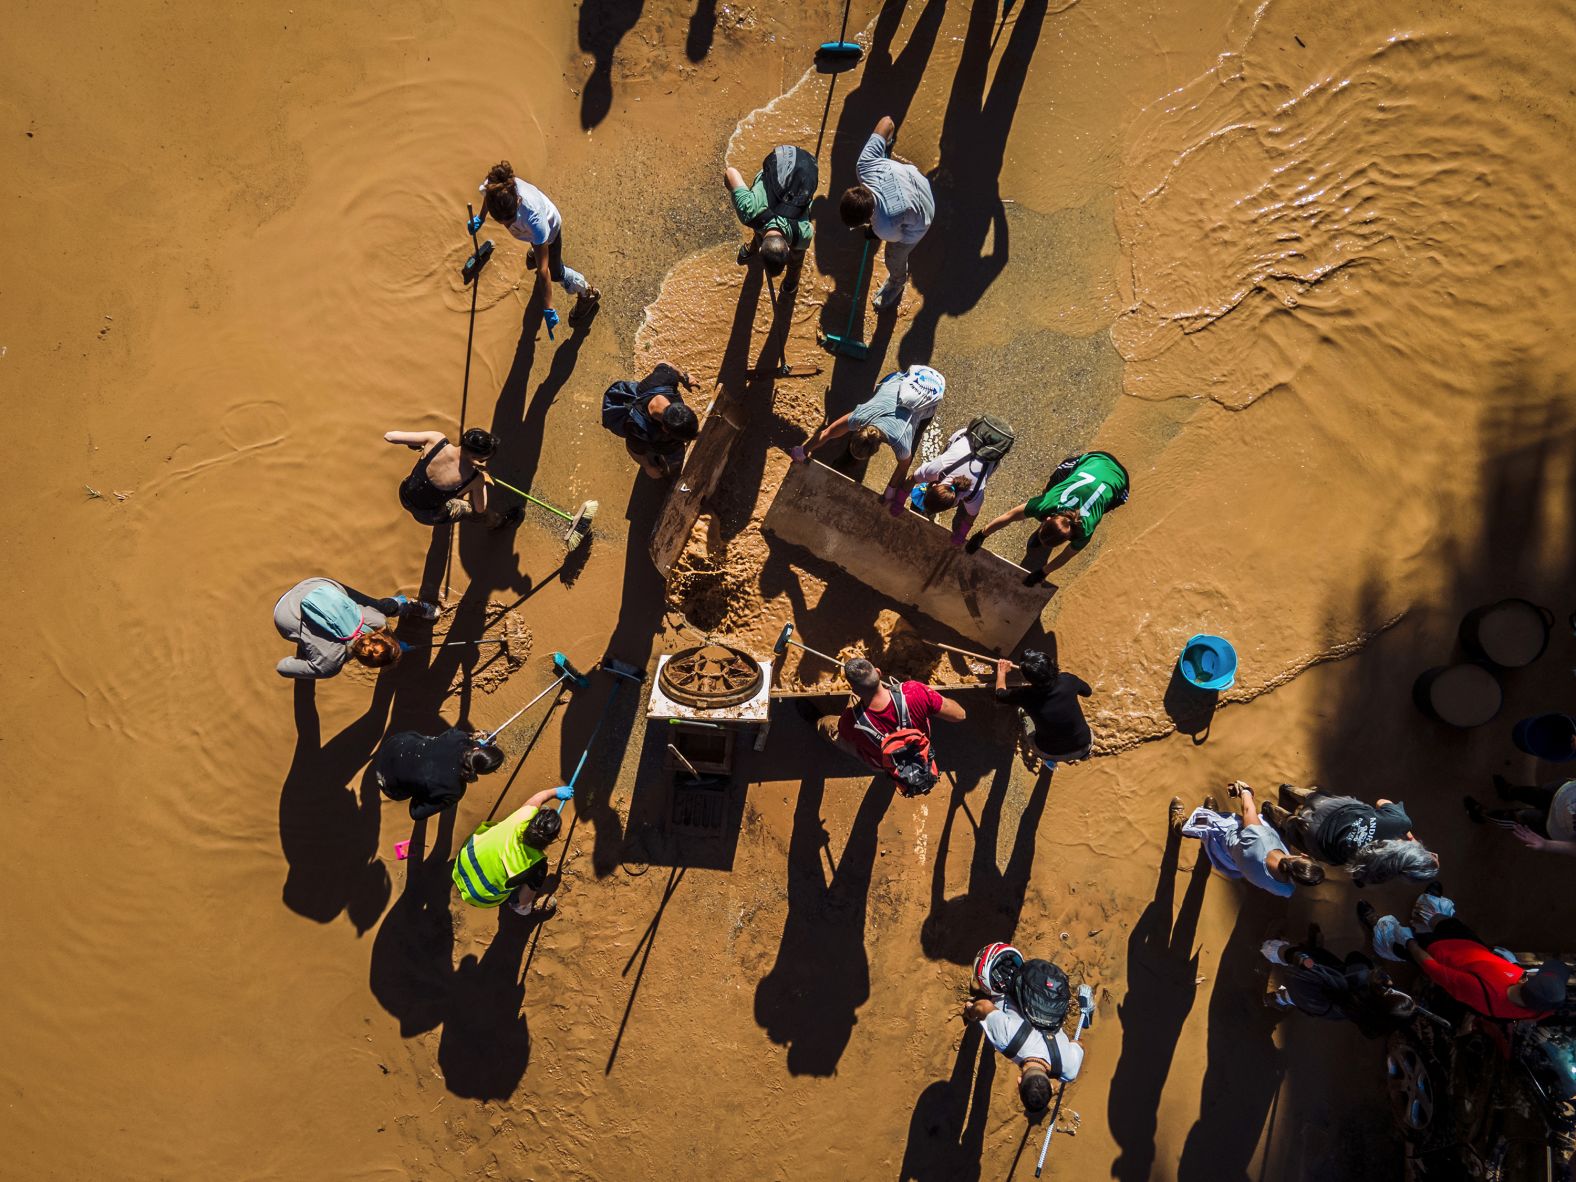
[911,560]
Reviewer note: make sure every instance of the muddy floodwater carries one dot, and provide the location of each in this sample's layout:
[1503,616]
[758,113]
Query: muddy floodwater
[1302,266]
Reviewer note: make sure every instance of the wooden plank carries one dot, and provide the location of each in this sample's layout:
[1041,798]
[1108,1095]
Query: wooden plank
[703,468]
[980,596]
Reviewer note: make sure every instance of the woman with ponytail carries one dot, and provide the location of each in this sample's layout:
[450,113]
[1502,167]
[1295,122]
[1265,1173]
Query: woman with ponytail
[525,211]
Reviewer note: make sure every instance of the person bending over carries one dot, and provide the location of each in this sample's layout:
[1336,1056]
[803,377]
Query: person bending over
[1245,847]
[525,212]
[1548,822]
[1080,492]
[1374,843]
[893,202]
[652,419]
[774,206]
[508,859]
[432,772]
[1464,966]
[449,482]
[896,414]
[1316,983]
[890,732]
[330,623]
[958,476]
[1049,713]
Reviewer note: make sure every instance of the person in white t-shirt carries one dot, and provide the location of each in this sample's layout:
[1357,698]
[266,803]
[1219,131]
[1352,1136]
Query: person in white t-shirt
[957,477]
[525,211]
[893,199]
[1038,1061]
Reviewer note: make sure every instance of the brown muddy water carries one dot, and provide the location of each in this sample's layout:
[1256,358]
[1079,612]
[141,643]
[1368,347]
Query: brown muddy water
[1301,266]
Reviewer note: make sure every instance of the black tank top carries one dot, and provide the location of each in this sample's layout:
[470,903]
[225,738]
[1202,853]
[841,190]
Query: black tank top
[418,491]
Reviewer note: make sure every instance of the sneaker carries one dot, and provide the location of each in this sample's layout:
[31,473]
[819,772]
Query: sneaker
[584,305]
[530,258]
[1178,812]
[422,610]
[889,296]
[1272,950]
[1367,915]
[744,255]
[1209,803]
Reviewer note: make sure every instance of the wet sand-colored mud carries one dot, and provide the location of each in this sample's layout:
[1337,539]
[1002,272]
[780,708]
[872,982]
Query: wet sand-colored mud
[1300,266]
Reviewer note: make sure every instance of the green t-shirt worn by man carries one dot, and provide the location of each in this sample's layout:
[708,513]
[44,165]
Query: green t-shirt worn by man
[751,203]
[1095,483]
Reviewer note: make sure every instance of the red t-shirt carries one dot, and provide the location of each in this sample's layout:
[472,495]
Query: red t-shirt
[1477,977]
[922,702]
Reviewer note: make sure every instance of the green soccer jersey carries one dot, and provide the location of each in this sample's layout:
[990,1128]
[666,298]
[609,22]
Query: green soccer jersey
[750,205]
[1095,484]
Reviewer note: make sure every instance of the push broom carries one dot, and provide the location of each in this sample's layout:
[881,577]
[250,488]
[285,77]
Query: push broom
[579,521]
[845,345]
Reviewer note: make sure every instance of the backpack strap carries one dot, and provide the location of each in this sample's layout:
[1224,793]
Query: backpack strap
[1015,1044]
[1056,1055]
[863,723]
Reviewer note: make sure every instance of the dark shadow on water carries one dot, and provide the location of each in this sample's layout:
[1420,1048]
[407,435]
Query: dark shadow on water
[1162,968]
[603,24]
[485,1046]
[990,908]
[810,999]
[951,267]
[946,1134]
[702,27]
[1190,708]
[328,830]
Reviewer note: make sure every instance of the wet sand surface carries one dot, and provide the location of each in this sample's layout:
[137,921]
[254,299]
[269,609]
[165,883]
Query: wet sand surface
[1300,266]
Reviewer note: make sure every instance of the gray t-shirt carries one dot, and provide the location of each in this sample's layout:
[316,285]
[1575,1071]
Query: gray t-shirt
[881,411]
[319,655]
[1250,850]
[904,204]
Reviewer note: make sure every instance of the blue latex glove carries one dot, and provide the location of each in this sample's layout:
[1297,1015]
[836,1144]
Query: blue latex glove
[550,318]
[475,223]
[565,793]
[403,647]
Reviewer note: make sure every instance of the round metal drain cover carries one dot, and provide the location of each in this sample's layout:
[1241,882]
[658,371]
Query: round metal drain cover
[710,677]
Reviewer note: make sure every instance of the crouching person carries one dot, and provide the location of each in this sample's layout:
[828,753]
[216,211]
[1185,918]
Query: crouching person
[652,419]
[1021,1006]
[509,859]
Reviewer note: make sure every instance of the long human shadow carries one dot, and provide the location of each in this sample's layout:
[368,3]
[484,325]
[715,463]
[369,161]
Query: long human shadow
[328,831]
[810,999]
[1162,971]
[603,24]
[951,267]
[486,1045]
[412,966]
[990,907]
[946,1134]
[887,85]
[1242,1070]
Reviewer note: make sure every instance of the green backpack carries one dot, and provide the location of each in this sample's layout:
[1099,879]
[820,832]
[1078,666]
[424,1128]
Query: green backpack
[990,439]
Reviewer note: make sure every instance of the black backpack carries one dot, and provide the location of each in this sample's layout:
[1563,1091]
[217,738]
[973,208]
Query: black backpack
[990,439]
[1042,995]
[790,176]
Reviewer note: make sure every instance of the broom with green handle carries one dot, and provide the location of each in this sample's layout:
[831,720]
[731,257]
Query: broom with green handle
[579,521]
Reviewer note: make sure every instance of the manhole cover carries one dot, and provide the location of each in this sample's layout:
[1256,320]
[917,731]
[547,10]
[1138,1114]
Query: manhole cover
[710,677]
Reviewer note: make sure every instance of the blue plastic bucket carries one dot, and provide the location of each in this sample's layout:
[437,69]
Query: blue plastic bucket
[1547,736]
[1208,662]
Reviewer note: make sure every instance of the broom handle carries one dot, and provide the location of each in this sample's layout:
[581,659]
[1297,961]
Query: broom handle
[842,34]
[859,282]
[952,648]
[557,681]
[521,492]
